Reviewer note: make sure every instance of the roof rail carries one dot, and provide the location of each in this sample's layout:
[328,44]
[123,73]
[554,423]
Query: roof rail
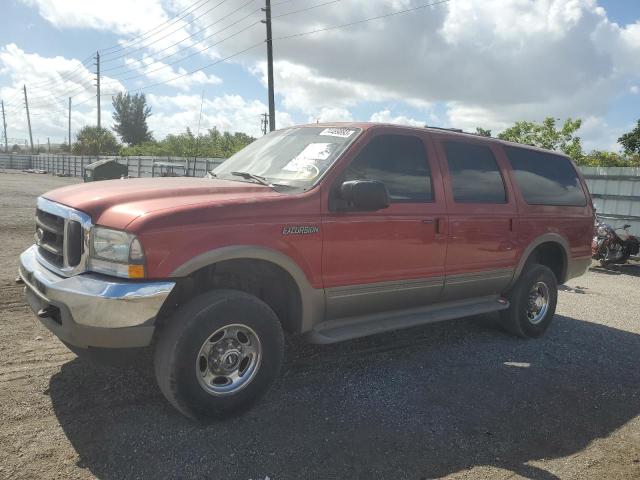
[458,130]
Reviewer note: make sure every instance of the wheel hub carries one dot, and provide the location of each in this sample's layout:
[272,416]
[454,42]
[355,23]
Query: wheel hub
[538,302]
[228,359]
[225,356]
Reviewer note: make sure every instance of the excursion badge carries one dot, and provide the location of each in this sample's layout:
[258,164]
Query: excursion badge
[300,230]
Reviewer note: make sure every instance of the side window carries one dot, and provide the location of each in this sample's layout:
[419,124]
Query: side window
[398,161]
[545,178]
[474,172]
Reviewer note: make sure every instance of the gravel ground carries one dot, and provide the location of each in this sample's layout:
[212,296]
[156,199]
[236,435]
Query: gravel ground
[456,400]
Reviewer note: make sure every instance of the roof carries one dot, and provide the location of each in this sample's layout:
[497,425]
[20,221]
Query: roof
[438,131]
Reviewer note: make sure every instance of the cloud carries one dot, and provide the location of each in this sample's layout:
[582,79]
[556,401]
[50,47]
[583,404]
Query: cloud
[597,134]
[305,89]
[162,72]
[50,81]
[483,63]
[172,114]
[123,17]
[385,116]
[332,114]
[490,63]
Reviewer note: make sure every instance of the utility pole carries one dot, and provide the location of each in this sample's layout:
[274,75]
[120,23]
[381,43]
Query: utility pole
[264,122]
[272,103]
[26,104]
[69,124]
[4,122]
[98,84]
[48,145]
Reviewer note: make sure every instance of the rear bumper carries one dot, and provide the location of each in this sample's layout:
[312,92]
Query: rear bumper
[91,309]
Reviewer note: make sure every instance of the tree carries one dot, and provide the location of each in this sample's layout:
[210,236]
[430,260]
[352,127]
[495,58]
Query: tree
[130,112]
[599,158]
[483,132]
[95,141]
[546,135]
[211,144]
[631,141]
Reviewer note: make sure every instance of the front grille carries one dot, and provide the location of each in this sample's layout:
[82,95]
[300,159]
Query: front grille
[59,240]
[50,237]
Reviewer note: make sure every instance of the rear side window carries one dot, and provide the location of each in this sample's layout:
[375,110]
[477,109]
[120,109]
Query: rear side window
[545,178]
[474,172]
[398,161]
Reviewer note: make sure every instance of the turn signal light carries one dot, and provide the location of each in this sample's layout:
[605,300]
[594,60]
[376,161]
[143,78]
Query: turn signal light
[136,271]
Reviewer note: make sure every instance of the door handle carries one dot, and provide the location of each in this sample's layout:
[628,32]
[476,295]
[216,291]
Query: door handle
[437,221]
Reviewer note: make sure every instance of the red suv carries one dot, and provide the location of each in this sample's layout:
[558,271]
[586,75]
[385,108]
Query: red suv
[331,231]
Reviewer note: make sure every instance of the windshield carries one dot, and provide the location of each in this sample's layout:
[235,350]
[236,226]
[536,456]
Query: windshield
[294,157]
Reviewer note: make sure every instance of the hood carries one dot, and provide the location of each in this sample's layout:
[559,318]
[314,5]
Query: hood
[116,203]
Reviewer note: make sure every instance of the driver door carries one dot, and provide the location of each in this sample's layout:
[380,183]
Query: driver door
[392,258]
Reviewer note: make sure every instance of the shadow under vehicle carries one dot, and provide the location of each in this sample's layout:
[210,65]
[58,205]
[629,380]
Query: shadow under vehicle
[417,403]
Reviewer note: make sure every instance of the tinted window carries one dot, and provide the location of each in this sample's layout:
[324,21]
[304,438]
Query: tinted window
[475,176]
[545,178]
[400,162]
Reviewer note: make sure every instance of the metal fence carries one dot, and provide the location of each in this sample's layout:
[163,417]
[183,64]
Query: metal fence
[18,161]
[615,190]
[73,165]
[616,194]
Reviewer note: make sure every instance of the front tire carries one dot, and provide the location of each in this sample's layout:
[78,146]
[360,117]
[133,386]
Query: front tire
[532,301]
[218,354]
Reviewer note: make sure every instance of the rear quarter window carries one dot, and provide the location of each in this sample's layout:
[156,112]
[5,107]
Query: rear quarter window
[545,178]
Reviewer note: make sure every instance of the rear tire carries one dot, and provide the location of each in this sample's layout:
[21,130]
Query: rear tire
[532,301]
[218,354]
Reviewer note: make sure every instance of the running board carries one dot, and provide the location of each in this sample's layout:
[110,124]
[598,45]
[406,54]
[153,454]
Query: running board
[341,329]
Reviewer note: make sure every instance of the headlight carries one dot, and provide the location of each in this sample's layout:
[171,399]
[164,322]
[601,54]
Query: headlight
[115,252]
[602,231]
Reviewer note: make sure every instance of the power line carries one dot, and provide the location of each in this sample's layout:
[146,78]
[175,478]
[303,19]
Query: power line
[357,22]
[168,34]
[72,75]
[283,2]
[196,43]
[141,36]
[66,76]
[305,9]
[144,74]
[201,68]
[254,46]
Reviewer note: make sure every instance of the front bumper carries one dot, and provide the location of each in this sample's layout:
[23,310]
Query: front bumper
[93,310]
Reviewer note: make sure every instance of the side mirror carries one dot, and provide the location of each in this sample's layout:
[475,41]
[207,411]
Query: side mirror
[365,195]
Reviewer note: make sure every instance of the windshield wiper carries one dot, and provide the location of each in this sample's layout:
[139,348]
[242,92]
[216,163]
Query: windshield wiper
[251,176]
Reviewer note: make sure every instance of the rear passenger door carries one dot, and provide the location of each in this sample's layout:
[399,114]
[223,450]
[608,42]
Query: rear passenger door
[482,212]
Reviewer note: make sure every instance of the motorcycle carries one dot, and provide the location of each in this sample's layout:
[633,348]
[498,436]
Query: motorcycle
[613,245]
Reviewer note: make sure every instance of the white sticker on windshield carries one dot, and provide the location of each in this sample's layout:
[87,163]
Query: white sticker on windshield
[308,162]
[337,132]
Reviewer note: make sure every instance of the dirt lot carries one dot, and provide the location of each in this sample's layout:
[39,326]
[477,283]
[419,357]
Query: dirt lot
[456,400]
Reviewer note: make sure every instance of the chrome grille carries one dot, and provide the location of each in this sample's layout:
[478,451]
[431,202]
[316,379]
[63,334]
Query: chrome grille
[50,237]
[62,237]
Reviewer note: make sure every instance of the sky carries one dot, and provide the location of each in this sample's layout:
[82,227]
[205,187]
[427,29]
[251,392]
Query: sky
[458,63]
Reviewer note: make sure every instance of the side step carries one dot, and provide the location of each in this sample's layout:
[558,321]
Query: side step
[341,329]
